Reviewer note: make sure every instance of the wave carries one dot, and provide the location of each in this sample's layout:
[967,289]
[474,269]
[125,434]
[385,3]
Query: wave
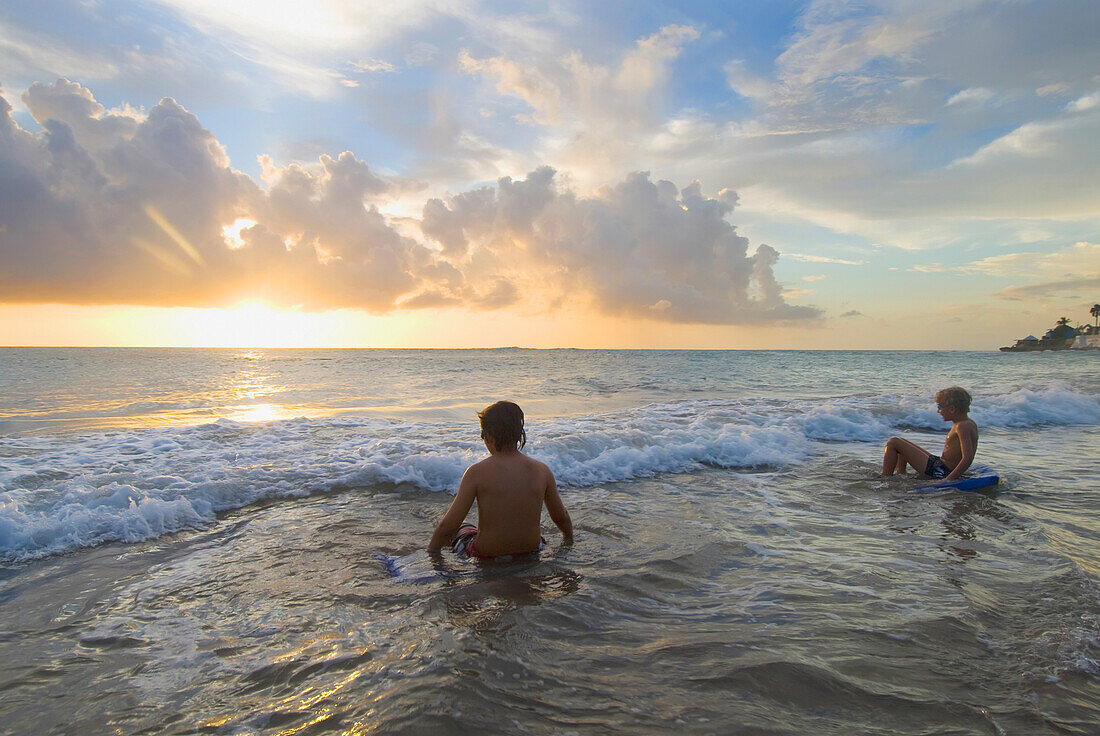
[132,409]
[59,493]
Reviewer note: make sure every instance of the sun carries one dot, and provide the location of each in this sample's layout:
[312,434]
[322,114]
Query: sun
[254,323]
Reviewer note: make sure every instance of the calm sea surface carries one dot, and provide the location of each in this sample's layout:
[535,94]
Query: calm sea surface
[231,542]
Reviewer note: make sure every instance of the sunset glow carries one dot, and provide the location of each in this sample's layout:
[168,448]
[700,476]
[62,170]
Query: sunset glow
[810,175]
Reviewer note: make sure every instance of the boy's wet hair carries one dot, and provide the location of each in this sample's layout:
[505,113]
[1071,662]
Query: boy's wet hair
[956,397]
[503,422]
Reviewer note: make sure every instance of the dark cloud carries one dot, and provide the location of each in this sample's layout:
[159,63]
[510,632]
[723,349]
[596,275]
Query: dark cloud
[852,313]
[102,207]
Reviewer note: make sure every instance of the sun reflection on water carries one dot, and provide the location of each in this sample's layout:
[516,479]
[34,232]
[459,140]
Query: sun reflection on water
[259,413]
[249,384]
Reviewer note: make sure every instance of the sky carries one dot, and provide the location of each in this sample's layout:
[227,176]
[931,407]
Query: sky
[466,173]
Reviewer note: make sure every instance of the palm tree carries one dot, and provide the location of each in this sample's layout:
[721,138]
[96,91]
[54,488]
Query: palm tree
[1095,312]
[1063,321]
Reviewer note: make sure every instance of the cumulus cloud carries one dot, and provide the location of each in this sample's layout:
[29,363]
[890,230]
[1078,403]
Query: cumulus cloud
[144,208]
[104,208]
[854,116]
[639,247]
[74,105]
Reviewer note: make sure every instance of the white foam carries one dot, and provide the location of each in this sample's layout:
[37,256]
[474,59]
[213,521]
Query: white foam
[58,493]
[1026,408]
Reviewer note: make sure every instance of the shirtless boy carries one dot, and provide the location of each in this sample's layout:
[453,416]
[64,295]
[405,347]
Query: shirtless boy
[958,449]
[510,489]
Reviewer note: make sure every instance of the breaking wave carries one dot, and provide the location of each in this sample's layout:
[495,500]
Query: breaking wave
[62,492]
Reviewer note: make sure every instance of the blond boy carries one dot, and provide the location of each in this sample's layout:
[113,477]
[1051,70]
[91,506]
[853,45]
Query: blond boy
[953,405]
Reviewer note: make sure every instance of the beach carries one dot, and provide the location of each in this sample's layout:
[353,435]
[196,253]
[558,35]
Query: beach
[232,541]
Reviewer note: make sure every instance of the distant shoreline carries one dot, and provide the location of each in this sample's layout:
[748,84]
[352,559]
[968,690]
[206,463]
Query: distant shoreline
[513,347]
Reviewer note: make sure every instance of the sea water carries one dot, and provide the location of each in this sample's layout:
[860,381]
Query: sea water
[231,541]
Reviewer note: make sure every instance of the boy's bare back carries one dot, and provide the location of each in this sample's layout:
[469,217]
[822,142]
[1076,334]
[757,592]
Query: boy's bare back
[511,490]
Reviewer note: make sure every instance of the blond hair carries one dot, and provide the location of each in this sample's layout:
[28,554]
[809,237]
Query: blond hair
[955,396]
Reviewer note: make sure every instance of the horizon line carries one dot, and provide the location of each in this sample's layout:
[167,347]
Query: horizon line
[500,347]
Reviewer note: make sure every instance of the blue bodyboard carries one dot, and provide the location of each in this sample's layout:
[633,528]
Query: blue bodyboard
[964,484]
[416,568]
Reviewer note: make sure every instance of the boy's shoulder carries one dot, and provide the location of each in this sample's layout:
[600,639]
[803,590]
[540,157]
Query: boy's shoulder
[539,463]
[966,423]
[493,461]
[539,466]
[483,465]
[491,464]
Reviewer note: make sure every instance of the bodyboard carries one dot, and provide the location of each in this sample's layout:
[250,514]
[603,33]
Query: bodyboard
[415,568]
[964,484]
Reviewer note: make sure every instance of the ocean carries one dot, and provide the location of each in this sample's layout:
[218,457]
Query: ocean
[232,542]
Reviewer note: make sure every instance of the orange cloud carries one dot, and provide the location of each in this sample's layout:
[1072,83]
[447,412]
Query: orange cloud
[103,208]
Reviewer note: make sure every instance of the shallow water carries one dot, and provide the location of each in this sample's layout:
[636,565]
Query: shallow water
[739,566]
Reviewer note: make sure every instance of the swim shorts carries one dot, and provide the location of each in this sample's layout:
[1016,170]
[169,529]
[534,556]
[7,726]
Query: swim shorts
[935,468]
[464,544]
[463,540]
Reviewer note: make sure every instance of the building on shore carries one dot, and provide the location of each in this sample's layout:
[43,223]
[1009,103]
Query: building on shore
[1060,337]
[1087,341]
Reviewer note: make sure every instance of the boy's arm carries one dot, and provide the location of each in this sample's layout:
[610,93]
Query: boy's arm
[456,514]
[968,443]
[554,505]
